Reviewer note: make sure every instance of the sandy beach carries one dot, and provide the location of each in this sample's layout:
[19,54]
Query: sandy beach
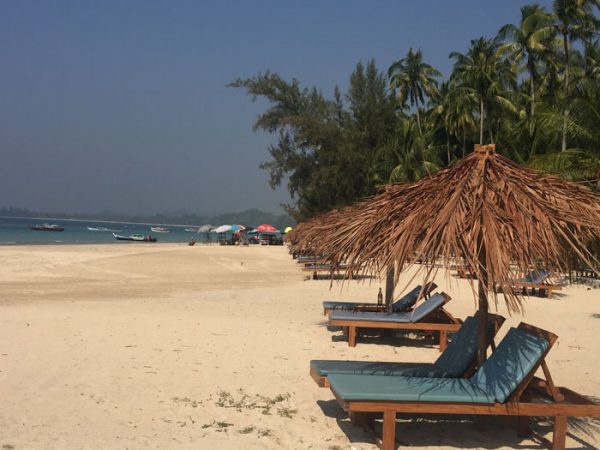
[170,346]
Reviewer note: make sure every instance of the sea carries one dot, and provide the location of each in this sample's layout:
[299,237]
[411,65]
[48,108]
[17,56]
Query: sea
[16,231]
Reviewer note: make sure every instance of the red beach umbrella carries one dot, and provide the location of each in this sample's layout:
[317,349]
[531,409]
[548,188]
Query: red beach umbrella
[266,227]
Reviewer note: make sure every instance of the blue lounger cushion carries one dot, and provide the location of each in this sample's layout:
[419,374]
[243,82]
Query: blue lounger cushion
[514,358]
[403,303]
[398,389]
[495,381]
[452,363]
[425,308]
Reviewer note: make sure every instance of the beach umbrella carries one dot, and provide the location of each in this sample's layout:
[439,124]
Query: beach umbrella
[266,227]
[237,227]
[287,230]
[495,217]
[204,229]
[222,229]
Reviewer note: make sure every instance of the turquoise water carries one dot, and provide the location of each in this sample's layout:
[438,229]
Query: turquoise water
[15,231]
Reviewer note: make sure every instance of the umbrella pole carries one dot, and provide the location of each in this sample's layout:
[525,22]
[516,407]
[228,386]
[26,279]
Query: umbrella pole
[482,335]
[389,288]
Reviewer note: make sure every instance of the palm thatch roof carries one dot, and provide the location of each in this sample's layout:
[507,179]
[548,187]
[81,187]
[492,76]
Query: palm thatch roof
[498,219]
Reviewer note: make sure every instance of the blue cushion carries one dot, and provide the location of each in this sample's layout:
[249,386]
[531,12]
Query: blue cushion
[385,388]
[407,301]
[327,304]
[327,367]
[428,306]
[536,277]
[510,363]
[462,349]
[371,316]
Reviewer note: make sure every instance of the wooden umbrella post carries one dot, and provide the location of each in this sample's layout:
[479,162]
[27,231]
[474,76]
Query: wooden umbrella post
[389,288]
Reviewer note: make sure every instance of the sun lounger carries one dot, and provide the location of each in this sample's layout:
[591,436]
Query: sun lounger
[327,269]
[429,316]
[456,361]
[504,385]
[537,279]
[402,304]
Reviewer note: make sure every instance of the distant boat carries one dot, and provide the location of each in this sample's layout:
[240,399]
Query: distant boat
[134,237]
[46,227]
[103,229]
[160,229]
[191,230]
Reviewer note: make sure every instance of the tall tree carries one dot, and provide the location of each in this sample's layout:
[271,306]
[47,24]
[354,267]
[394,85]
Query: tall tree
[413,80]
[528,41]
[574,20]
[485,75]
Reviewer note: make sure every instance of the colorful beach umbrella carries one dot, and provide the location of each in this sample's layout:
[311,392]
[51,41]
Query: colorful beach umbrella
[222,229]
[266,227]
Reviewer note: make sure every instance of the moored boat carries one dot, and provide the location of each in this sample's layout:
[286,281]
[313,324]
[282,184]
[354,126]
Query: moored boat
[103,229]
[134,237]
[159,229]
[46,227]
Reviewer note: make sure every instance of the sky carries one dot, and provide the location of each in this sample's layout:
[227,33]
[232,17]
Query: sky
[122,105]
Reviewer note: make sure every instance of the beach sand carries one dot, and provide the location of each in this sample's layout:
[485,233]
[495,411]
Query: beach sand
[206,347]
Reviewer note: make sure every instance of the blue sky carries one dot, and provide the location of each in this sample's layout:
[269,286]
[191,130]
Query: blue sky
[123,105]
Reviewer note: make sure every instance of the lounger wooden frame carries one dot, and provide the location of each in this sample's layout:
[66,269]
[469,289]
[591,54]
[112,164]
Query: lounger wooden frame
[374,307]
[561,404]
[440,321]
[498,320]
[545,289]
[328,269]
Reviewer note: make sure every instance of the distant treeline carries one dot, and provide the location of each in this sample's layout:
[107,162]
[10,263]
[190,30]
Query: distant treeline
[532,88]
[249,217]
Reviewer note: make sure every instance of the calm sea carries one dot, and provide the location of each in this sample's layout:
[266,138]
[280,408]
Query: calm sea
[15,231]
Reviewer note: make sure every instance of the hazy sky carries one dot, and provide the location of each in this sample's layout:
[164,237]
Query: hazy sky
[122,105]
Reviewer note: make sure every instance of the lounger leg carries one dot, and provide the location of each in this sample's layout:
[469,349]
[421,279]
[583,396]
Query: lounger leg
[352,336]
[388,440]
[560,433]
[523,426]
[358,419]
[443,340]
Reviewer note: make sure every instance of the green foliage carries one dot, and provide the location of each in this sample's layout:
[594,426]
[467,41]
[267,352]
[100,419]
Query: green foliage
[324,145]
[534,90]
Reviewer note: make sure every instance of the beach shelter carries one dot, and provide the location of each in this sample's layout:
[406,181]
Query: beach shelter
[498,219]
[266,227]
[204,228]
[222,229]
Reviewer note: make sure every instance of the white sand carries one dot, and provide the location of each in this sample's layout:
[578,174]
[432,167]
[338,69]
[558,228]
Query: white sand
[129,346]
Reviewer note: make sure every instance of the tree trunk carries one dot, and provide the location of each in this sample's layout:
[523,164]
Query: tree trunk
[418,116]
[448,146]
[389,288]
[531,88]
[481,116]
[566,92]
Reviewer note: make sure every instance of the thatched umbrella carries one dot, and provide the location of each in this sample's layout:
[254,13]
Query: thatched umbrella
[499,219]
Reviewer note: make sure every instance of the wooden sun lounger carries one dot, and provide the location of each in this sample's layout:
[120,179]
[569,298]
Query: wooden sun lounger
[458,360]
[506,385]
[437,320]
[328,269]
[329,306]
[536,280]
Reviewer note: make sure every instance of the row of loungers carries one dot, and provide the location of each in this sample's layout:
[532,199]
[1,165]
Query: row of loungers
[504,385]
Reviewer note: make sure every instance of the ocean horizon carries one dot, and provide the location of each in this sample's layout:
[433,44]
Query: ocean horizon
[16,231]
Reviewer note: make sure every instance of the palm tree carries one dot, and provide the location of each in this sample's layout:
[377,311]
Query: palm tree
[413,80]
[483,74]
[574,20]
[531,38]
[405,156]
